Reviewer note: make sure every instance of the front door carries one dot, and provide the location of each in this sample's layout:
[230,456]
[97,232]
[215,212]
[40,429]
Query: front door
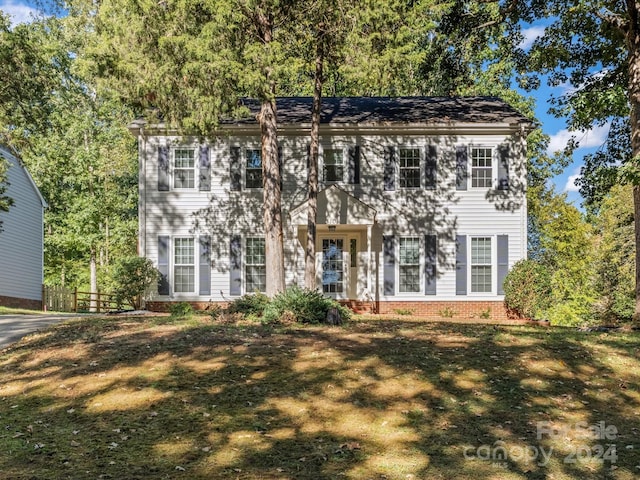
[333,278]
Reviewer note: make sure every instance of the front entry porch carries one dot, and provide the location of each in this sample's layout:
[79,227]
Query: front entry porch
[344,256]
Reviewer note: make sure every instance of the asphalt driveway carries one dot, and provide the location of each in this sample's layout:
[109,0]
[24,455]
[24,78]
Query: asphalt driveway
[14,327]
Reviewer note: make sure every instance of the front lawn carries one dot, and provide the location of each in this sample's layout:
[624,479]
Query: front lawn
[155,398]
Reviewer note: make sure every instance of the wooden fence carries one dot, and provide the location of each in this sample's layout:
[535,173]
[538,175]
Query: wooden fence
[62,299]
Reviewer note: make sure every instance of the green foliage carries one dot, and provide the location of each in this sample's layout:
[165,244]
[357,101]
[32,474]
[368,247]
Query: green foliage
[573,312]
[404,311]
[5,201]
[447,312]
[134,277]
[527,289]
[250,304]
[302,305]
[615,256]
[486,314]
[180,309]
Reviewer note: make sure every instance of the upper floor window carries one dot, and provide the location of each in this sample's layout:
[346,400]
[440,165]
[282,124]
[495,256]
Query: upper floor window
[333,165]
[481,167]
[409,162]
[184,175]
[184,168]
[253,172]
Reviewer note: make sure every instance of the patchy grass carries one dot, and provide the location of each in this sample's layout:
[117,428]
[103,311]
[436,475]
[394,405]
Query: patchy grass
[149,398]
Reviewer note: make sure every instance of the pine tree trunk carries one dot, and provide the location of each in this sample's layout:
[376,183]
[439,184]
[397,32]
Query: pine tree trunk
[633,44]
[312,213]
[274,248]
[271,177]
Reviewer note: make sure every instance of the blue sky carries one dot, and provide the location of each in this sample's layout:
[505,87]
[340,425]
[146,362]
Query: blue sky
[22,10]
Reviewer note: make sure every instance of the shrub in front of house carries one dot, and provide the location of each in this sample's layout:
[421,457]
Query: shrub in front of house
[527,289]
[134,278]
[250,304]
[302,305]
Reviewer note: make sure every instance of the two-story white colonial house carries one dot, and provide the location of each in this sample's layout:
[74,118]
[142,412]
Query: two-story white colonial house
[21,239]
[421,205]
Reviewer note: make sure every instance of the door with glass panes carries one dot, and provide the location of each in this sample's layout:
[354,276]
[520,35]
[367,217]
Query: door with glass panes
[333,272]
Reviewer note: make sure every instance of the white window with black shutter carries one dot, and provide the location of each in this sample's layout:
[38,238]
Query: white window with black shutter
[184,168]
[410,264]
[339,164]
[247,265]
[253,168]
[482,263]
[481,167]
[410,167]
[184,263]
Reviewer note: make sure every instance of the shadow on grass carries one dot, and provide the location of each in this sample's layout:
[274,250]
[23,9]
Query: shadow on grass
[377,399]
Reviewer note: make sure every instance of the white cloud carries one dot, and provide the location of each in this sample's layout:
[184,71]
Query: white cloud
[530,34]
[571,186]
[18,12]
[594,137]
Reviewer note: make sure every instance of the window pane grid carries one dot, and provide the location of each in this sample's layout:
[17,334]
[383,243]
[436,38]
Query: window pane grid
[409,280]
[481,167]
[184,265]
[332,266]
[481,279]
[184,163]
[184,251]
[481,275]
[254,168]
[333,165]
[184,158]
[409,167]
[255,270]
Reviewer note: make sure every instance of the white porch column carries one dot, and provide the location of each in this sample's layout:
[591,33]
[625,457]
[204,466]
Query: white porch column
[369,260]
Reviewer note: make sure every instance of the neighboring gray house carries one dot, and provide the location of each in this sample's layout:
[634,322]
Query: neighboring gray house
[21,239]
[421,206]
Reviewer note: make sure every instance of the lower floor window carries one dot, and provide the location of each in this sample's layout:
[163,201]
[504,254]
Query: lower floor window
[409,264]
[184,265]
[481,275]
[255,269]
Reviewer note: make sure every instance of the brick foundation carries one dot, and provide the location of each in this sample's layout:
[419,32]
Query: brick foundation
[26,303]
[470,309]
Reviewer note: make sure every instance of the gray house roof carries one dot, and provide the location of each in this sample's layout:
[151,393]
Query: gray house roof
[386,110]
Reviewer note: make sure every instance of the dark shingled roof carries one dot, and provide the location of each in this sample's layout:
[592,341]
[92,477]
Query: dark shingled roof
[385,110]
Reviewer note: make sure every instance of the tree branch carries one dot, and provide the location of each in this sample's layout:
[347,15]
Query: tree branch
[615,20]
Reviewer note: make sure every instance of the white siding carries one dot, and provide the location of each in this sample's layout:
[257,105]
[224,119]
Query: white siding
[21,244]
[444,211]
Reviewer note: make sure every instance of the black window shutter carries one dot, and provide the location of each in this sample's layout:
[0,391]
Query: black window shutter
[461,265]
[163,168]
[235,266]
[430,261]
[163,265]
[354,164]
[462,164]
[205,265]
[389,169]
[431,167]
[503,167]
[308,160]
[205,169]
[389,272]
[235,170]
[281,167]
[503,261]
